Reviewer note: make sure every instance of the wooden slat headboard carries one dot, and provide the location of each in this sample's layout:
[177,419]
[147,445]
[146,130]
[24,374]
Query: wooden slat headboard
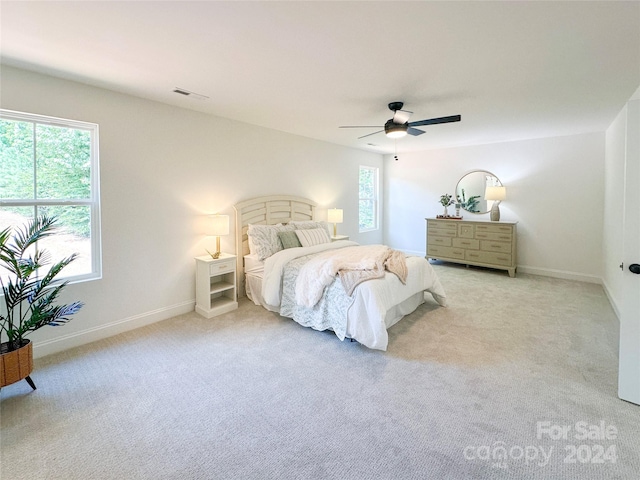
[266,211]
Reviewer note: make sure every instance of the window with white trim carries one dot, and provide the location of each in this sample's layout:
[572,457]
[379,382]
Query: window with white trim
[368,198]
[49,166]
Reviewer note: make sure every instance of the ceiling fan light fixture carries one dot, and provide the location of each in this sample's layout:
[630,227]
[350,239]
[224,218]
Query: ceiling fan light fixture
[394,130]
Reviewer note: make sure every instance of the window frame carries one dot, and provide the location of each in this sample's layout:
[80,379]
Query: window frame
[375,199]
[93,202]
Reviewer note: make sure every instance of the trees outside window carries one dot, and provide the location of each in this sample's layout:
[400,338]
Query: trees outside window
[368,199]
[49,166]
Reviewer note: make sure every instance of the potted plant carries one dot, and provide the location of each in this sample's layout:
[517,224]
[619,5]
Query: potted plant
[29,300]
[445,201]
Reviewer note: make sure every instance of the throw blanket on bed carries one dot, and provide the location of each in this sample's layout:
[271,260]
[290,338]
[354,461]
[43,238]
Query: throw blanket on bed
[354,265]
[330,313]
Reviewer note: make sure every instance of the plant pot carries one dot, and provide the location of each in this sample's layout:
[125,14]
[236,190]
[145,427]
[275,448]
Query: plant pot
[17,364]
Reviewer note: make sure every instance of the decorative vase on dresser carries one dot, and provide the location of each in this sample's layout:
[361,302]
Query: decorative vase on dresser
[480,243]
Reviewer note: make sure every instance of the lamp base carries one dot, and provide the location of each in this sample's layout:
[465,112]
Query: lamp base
[495,212]
[215,255]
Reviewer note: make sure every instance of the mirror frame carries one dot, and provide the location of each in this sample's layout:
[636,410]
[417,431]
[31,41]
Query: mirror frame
[457,195]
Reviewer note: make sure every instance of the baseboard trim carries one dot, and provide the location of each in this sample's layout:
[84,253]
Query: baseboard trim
[565,275]
[543,272]
[47,347]
[611,299]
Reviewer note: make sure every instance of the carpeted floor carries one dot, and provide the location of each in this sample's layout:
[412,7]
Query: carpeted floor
[515,379]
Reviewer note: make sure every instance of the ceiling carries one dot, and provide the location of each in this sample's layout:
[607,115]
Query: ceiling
[513,70]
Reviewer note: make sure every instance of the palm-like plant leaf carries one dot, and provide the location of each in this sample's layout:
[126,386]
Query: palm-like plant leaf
[30,302]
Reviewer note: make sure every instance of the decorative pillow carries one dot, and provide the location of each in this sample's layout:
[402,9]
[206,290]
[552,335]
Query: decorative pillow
[289,239]
[309,224]
[312,236]
[263,239]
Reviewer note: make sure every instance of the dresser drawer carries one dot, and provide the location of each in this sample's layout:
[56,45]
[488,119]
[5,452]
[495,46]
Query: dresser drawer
[445,252]
[443,241]
[465,230]
[503,237]
[492,246]
[442,224]
[442,232]
[493,258]
[222,267]
[489,228]
[466,243]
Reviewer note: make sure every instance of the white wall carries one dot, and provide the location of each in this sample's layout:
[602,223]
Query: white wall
[162,168]
[612,248]
[554,192]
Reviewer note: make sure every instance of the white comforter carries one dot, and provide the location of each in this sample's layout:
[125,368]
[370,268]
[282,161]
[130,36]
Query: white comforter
[377,305]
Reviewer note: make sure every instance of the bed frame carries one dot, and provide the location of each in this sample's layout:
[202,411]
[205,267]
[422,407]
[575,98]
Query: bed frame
[268,210]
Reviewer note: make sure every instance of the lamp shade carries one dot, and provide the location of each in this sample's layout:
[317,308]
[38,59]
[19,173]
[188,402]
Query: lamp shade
[334,215]
[395,130]
[219,225]
[495,193]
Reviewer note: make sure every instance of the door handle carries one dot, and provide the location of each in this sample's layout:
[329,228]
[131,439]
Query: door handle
[634,268]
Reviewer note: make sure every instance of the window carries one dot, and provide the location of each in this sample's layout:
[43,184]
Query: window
[49,166]
[368,196]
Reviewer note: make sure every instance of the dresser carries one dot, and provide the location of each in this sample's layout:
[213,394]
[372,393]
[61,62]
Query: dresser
[481,243]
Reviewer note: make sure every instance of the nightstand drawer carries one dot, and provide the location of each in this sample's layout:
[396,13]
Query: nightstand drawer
[223,266]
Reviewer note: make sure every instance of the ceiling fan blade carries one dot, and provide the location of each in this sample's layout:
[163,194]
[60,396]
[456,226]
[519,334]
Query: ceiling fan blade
[435,121]
[401,116]
[360,126]
[369,134]
[414,131]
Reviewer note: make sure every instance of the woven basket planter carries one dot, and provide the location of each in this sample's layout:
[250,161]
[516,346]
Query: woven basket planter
[15,365]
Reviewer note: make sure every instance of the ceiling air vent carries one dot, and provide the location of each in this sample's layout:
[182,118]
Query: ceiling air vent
[187,93]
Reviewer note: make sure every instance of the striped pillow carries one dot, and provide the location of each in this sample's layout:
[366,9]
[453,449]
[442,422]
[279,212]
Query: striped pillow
[312,236]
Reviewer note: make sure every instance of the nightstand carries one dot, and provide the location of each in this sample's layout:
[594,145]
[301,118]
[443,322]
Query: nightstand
[335,238]
[216,285]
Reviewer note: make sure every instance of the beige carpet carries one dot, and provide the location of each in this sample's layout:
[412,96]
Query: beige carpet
[250,395]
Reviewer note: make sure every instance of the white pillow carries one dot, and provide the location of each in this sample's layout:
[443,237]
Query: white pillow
[309,224]
[263,239]
[313,236]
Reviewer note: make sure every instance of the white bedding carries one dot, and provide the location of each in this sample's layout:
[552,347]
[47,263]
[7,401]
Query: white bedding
[377,304]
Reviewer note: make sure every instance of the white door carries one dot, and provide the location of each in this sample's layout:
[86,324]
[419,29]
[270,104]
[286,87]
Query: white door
[629,369]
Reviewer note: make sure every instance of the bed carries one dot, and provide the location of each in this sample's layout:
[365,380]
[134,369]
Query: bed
[282,280]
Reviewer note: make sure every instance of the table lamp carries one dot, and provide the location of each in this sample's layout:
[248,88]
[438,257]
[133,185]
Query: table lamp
[219,226]
[497,194]
[334,215]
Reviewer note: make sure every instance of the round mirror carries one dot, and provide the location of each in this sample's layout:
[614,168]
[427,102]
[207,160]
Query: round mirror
[470,191]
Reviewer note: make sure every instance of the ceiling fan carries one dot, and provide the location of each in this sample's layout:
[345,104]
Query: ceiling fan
[399,125]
